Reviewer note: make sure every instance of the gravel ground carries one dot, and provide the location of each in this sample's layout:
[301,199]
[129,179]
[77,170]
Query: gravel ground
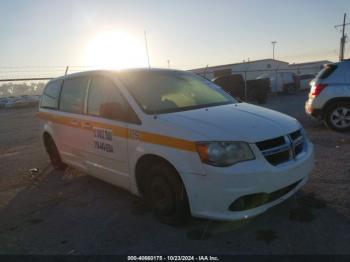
[50,212]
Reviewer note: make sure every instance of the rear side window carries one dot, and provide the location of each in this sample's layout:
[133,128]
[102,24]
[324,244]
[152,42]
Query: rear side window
[73,95]
[326,71]
[105,100]
[50,95]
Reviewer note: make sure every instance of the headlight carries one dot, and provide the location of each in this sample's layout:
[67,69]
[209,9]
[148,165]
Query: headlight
[224,153]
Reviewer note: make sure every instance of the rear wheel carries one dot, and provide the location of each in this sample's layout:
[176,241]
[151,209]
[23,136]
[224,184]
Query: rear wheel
[337,116]
[166,195]
[53,153]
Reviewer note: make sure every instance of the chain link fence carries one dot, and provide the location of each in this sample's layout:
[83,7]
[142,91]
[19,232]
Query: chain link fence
[279,79]
[27,83]
[30,80]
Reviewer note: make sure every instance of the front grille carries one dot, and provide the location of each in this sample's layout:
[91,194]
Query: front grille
[278,158]
[295,134]
[267,144]
[282,149]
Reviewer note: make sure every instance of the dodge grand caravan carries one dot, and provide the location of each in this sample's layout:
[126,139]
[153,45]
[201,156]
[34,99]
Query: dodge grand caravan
[176,139]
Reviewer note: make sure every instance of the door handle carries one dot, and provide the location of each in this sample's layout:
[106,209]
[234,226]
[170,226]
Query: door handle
[75,122]
[87,125]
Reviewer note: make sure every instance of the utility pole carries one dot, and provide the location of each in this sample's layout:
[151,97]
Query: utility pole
[273,49]
[342,39]
[146,44]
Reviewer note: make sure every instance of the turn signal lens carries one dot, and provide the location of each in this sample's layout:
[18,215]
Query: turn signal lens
[202,150]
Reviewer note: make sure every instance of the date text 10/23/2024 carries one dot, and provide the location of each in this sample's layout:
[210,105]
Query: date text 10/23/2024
[173,258]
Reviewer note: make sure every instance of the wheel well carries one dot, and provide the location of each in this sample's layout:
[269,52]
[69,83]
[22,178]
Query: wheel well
[144,164]
[332,101]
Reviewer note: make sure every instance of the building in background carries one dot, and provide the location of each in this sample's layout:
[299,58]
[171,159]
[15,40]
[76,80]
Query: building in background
[249,70]
[308,68]
[253,69]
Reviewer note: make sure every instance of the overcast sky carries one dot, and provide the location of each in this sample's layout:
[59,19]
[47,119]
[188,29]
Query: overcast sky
[189,33]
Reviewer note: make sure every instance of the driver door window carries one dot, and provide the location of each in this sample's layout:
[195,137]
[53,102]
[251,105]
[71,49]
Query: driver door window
[105,100]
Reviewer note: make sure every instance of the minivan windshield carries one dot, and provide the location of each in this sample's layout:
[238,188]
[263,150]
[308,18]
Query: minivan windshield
[162,91]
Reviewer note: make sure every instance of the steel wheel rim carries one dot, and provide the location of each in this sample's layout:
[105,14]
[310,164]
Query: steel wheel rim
[340,117]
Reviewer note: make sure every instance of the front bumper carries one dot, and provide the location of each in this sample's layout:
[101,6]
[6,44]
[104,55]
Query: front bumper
[211,195]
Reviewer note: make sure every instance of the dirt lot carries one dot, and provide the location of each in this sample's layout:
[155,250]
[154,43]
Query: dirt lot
[50,212]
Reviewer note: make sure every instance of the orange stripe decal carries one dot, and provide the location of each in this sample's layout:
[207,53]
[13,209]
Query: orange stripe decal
[167,141]
[146,137]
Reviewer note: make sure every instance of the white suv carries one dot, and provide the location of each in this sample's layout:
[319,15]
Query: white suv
[329,97]
[177,139]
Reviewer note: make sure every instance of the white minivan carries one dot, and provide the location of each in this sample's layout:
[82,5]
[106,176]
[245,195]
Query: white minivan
[176,139]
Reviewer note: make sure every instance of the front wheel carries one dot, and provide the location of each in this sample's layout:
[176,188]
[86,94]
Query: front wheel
[54,155]
[337,116]
[166,195]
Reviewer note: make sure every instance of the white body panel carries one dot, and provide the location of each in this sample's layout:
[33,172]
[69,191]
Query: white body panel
[237,122]
[112,167]
[70,141]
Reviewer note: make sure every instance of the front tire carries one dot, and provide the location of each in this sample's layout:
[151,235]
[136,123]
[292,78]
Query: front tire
[337,116]
[54,155]
[166,195]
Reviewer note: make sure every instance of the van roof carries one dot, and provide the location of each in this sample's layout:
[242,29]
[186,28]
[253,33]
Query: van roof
[85,73]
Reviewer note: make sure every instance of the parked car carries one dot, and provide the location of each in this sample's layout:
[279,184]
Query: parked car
[19,101]
[177,139]
[329,97]
[305,80]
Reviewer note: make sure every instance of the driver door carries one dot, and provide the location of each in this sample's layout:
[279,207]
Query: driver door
[106,149]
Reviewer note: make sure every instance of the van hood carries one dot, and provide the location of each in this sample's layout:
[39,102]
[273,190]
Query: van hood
[235,122]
